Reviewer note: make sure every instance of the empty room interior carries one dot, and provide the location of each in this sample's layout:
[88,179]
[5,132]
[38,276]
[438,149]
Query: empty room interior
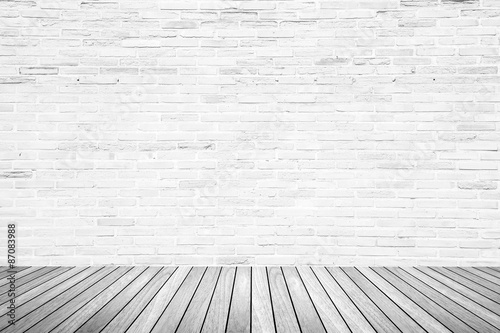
[249,166]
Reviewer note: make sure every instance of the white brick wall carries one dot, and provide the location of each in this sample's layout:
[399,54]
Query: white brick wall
[251,132]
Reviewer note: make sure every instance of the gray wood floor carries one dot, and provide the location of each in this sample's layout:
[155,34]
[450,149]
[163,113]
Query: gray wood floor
[253,299]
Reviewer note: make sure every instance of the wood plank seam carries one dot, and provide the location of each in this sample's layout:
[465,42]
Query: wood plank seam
[335,306]
[484,276]
[173,296]
[39,310]
[376,305]
[117,294]
[352,301]
[479,280]
[309,294]
[458,292]
[387,296]
[191,299]
[211,298]
[423,295]
[60,293]
[271,299]
[231,299]
[291,299]
[251,275]
[449,299]
[471,285]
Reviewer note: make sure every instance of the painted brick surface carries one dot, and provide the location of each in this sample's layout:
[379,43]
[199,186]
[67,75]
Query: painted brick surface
[251,132]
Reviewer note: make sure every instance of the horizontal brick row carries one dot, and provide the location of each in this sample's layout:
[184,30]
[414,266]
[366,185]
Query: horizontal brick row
[194,132]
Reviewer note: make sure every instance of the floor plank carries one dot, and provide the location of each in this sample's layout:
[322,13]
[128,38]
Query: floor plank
[262,311]
[32,280]
[428,322]
[424,300]
[476,279]
[124,319]
[216,317]
[41,281]
[254,299]
[171,317]
[284,314]
[375,316]
[349,311]
[148,317]
[329,314]
[307,315]
[57,310]
[471,319]
[400,318]
[239,319]
[16,270]
[472,285]
[93,315]
[463,293]
[37,296]
[22,275]
[489,271]
[482,275]
[37,288]
[92,284]
[192,321]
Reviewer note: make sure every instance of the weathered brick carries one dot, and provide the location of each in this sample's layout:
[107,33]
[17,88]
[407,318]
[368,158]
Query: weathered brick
[38,70]
[251,132]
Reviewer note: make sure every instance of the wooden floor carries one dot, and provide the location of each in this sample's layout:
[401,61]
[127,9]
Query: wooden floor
[257,299]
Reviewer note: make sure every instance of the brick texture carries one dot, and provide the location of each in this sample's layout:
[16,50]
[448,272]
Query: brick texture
[339,132]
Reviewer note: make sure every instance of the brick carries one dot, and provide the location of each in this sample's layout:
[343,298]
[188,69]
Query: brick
[38,70]
[179,24]
[16,174]
[478,165]
[140,43]
[479,51]
[251,132]
[178,5]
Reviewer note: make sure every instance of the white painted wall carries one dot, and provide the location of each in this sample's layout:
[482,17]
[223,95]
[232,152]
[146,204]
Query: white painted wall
[251,132]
